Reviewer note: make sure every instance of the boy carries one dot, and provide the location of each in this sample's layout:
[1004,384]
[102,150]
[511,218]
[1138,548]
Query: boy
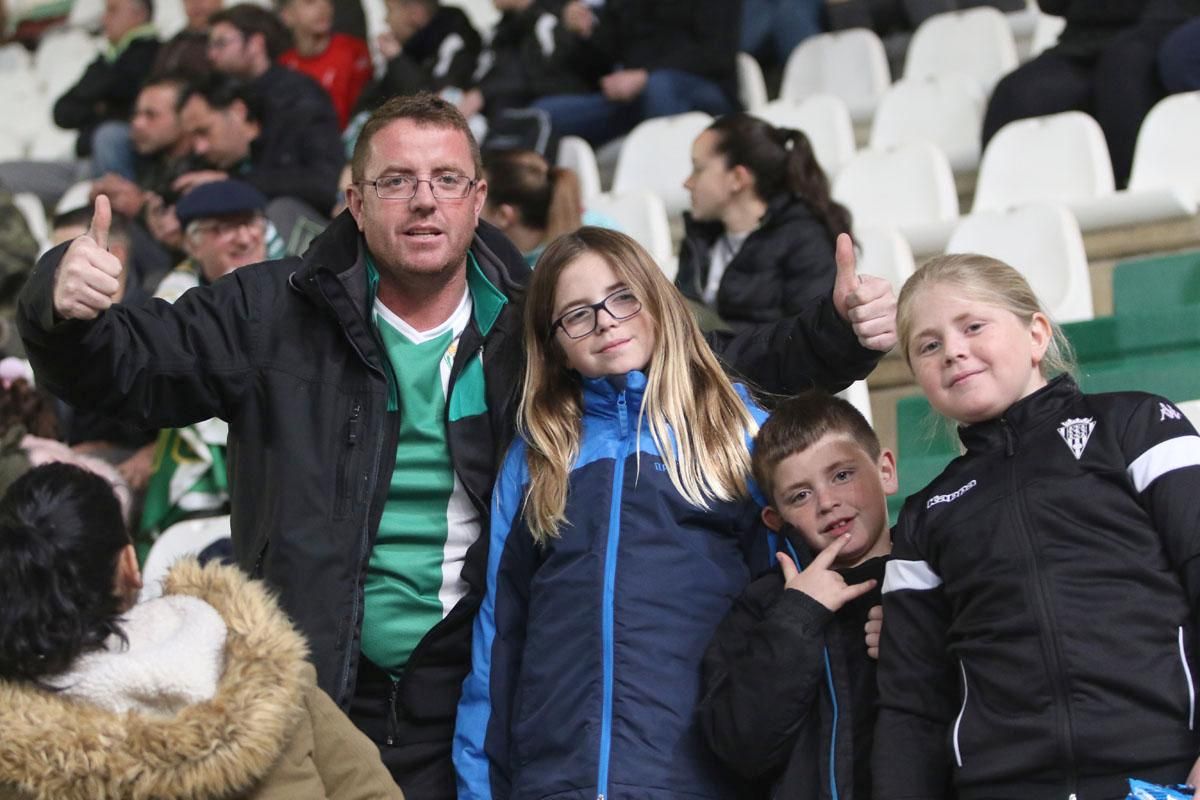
[340,63]
[795,636]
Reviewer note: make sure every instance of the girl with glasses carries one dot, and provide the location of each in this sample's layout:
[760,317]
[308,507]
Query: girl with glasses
[620,529]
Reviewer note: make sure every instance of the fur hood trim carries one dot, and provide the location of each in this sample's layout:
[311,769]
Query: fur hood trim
[55,747]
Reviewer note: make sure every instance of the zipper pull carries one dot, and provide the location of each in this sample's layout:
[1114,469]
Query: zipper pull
[352,437]
[622,416]
[1009,450]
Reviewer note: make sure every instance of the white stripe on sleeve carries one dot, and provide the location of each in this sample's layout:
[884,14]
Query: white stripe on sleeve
[909,575]
[1173,454]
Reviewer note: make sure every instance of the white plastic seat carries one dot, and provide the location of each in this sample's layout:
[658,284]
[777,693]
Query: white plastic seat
[977,42]
[752,86]
[577,155]
[826,122]
[482,13]
[946,110]
[62,56]
[169,18]
[909,186]
[1042,242]
[857,395]
[35,217]
[641,214]
[657,155]
[14,58]
[1046,31]
[183,539]
[884,253]
[1166,154]
[851,64]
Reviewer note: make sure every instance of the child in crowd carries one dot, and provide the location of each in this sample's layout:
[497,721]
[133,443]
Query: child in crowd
[1040,604]
[202,693]
[339,62]
[620,523]
[790,695]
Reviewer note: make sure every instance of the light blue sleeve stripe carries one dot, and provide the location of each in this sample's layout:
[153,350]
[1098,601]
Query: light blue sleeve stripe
[1164,457]
[471,761]
[915,575]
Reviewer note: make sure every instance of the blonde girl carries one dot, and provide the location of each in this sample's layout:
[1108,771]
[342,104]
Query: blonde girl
[1040,608]
[620,522]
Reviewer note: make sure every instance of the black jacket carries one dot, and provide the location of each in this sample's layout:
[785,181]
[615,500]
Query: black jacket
[106,91]
[285,352]
[782,266]
[299,151]
[782,676]
[696,36]
[1040,606]
[443,53]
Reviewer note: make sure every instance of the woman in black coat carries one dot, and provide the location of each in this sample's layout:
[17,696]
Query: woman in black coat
[759,241]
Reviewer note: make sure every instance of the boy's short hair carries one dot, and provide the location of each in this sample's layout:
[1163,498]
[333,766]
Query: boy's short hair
[797,424]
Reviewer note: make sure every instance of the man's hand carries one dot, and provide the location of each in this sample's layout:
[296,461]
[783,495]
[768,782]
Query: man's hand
[874,629]
[624,85]
[866,302]
[578,18]
[87,278]
[820,582]
[137,469]
[125,196]
[190,180]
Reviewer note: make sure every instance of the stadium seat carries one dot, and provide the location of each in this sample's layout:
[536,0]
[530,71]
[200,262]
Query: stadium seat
[577,155]
[61,57]
[946,110]
[482,13]
[1147,285]
[851,64]
[1166,154]
[884,253]
[1045,33]
[826,122]
[641,214]
[657,155]
[35,217]
[183,539]
[169,18]
[977,42]
[857,395]
[752,86]
[14,58]
[909,186]
[1043,243]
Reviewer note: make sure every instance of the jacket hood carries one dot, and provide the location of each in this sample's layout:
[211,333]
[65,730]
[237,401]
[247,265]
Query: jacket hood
[56,747]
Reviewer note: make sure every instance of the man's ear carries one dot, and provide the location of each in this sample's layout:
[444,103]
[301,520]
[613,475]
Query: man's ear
[128,580]
[888,475]
[772,518]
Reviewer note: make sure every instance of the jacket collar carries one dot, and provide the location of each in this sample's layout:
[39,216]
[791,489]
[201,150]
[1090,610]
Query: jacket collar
[601,395]
[711,231]
[1022,417]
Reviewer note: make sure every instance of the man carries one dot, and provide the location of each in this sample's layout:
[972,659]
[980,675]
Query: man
[186,53]
[301,148]
[372,383]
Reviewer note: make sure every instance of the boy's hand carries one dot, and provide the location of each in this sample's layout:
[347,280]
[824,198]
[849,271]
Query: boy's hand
[820,582]
[865,301]
[874,629]
[87,278]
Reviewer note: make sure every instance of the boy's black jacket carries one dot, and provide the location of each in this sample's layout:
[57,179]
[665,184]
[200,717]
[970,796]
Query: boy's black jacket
[768,711]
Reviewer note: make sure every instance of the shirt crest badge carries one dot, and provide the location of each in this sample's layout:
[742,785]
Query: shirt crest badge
[1167,411]
[1076,432]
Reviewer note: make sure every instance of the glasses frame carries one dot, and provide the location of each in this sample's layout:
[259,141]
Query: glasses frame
[417,187]
[596,308]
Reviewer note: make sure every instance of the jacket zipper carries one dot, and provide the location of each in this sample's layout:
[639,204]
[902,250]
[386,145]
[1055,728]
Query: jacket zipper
[1042,605]
[610,579]
[961,713]
[833,732]
[1187,671]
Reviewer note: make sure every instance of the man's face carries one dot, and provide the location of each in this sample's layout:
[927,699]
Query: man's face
[229,51]
[423,235]
[122,16]
[405,18]
[219,245]
[155,126]
[198,12]
[220,137]
[308,17]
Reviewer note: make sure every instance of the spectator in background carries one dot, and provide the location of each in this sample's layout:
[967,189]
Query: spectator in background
[439,52]
[1105,64]
[532,202]
[1179,58]
[647,60]
[186,53]
[759,240]
[340,63]
[771,29]
[299,151]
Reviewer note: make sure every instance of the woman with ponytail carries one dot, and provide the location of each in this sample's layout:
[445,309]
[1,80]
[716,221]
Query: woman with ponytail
[202,693]
[759,241]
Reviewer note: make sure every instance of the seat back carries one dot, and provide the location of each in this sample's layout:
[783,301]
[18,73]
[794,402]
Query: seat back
[976,41]
[641,214]
[657,156]
[851,64]
[1166,154]
[826,122]
[910,184]
[946,110]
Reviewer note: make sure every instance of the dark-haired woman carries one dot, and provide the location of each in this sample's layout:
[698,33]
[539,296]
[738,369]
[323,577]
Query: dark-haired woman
[759,241]
[201,693]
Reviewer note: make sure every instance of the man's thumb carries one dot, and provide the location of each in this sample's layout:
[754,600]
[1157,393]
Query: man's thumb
[847,263]
[101,221]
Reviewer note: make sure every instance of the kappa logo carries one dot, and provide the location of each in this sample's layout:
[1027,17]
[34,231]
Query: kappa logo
[1076,432]
[1168,411]
[950,498]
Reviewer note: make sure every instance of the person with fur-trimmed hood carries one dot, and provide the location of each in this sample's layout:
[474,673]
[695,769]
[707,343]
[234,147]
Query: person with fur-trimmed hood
[201,693]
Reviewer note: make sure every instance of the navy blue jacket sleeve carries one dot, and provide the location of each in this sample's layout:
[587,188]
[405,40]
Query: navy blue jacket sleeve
[482,732]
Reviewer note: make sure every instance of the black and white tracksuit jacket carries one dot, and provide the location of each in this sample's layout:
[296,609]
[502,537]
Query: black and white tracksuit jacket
[1040,606]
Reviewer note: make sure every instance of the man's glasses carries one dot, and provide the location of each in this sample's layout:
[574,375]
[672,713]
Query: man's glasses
[580,322]
[404,187]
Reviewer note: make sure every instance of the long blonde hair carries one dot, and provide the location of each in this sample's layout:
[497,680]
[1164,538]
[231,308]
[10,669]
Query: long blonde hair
[987,280]
[697,420]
